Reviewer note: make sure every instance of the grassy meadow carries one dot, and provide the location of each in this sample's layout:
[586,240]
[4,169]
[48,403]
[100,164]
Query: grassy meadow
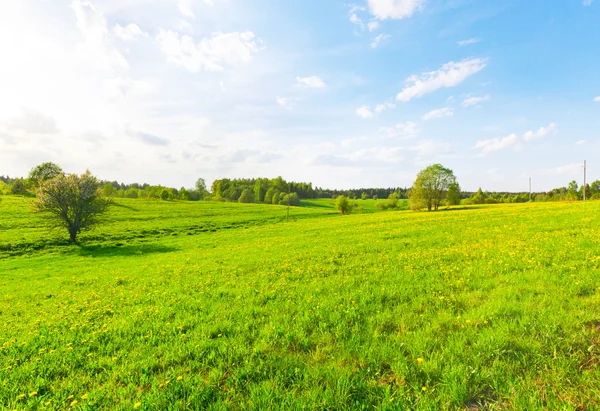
[185,305]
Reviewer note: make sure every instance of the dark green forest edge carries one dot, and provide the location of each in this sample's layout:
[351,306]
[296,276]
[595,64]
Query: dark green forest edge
[279,191]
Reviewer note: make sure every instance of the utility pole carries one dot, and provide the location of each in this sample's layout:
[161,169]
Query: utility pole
[530,189]
[584,179]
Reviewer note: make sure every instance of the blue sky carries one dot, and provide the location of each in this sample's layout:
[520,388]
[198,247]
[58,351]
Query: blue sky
[341,94]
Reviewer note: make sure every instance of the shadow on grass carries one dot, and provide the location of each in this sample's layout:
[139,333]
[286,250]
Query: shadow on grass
[123,250]
[462,208]
[115,204]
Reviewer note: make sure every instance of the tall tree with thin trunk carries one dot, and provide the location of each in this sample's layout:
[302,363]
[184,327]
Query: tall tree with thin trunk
[431,187]
[72,202]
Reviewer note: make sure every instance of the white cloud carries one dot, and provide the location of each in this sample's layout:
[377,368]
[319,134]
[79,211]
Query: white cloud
[394,9]
[364,112]
[587,2]
[32,121]
[97,48]
[311,82]
[467,42]
[373,25]
[215,53]
[431,148]
[379,39]
[597,99]
[186,7]
[449,75]
[354,19]
[130,32]
[472,101]
[573,169]
[494,144]
[402,130]
[354,8]
[379,108]
[286,102]
[513,140]
[442,112]
[540,133]
[580,143]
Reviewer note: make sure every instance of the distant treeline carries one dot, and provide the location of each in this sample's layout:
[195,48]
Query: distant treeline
[573,192]
[279,191]
[273,191]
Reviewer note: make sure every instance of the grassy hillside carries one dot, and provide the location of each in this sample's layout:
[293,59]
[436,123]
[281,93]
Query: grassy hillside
[227,306]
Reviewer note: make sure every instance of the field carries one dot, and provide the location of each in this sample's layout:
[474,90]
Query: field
[174,305]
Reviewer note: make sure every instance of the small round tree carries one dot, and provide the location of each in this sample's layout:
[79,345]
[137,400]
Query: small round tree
[342,204]
[431,187]
[72,202]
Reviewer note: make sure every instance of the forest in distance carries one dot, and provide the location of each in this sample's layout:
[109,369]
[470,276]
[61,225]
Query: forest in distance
[276,190]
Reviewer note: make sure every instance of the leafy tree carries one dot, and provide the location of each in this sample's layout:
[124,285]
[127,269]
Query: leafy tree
[572,191]
[595,187]
[479,197]
[200,188]
[393,203]
[18,187]
[200,185]
[43,172]
[246,197]
[431,187]
[275,198]
[375,197]
[453,195]
[109,190]
[184,194]
[269,195]
[72,202]
[164,194]
[132,193]
[363,196]
[294,199]
[342,204]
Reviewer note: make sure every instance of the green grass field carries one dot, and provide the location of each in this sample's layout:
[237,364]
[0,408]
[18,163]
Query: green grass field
[174,305]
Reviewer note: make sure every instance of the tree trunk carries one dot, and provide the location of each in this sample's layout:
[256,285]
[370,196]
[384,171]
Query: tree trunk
[73,235]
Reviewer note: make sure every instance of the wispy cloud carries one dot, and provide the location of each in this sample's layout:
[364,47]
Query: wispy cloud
[597,99]
[379,40]
[364,112]
[440,113]
[394,9]
[449,75]
[130,32]
[587,2]
[220,51]
[148,138]
[468,42]
[403,130]
[472,101]
[311,82]
[540,133]
[495,144]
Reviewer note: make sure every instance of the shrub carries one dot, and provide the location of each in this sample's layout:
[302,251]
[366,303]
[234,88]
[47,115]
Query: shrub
[342,204]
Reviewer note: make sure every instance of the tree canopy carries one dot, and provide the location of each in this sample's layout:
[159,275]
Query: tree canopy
[44,172]
[431,187]
[72,202]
